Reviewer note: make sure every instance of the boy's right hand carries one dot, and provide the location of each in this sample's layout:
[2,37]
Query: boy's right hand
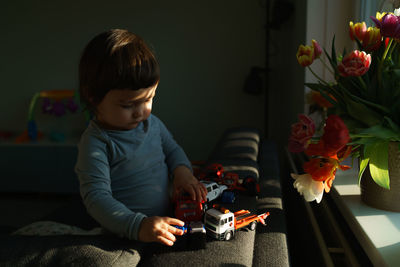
[160,229]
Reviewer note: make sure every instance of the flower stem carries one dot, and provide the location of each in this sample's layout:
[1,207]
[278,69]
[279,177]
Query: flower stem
[382,61]
[362,82]
[316,76]
[326,66]
[392,48]
[386,51]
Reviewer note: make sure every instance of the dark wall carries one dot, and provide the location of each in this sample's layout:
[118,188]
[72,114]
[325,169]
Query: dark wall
[286,93]
[205,49]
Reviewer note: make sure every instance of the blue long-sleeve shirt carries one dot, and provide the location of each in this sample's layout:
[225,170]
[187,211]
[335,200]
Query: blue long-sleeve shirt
[123,175]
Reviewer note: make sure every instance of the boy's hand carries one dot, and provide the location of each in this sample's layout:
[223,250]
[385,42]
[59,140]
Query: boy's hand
[185,181]
[160,229]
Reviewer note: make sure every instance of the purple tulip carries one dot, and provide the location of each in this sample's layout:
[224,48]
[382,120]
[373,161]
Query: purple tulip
[389,25]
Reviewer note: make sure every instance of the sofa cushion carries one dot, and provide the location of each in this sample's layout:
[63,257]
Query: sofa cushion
[237,143]
[68,250]
[270,245]
[239,150]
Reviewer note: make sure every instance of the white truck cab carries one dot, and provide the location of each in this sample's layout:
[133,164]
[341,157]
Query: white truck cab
[219,225]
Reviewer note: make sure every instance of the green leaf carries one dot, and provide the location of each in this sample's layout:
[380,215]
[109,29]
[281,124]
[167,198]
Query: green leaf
[319,87]
[352,124]
[392,125]
[381,132]
[371,104]
[363,165]
[334,51]
[361,112]
[323,90]
[363,140]
[378,164]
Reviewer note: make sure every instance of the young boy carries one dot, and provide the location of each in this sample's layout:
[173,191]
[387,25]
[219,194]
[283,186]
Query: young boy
[126,154]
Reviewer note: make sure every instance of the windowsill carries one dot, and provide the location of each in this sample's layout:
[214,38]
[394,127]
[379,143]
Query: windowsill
[377,231]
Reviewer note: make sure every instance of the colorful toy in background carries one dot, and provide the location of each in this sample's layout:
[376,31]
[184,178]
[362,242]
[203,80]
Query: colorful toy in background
[5,135]
[55,102]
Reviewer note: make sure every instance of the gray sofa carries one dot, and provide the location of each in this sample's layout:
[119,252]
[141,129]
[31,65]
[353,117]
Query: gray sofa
[239,150]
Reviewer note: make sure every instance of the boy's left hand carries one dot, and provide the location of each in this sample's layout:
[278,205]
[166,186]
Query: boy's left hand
[185,181]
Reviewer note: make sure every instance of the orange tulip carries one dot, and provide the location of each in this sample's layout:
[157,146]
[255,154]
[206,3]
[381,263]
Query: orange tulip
[372,39]
[321,101]
[357,30]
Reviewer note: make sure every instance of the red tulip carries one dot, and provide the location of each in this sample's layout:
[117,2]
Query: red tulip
[322,169]
[355,64]
[335,137]
[301,133]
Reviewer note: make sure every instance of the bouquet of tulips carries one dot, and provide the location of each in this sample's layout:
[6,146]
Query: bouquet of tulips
[363,106]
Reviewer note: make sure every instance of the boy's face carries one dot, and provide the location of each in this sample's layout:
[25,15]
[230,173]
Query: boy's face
[125,109]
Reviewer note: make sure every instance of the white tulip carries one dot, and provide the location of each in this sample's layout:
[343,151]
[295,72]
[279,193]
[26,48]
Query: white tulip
[308,187]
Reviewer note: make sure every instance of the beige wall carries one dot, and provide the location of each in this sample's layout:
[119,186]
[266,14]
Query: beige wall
[312,19]
[205,49]
[327,19]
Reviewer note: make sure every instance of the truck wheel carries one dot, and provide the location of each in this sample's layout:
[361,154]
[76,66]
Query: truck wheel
[253,226]
[228,235]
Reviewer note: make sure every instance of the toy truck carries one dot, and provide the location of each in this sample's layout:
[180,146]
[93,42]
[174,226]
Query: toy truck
[222,224]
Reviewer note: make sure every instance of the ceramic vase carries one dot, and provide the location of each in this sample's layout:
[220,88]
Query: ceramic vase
[378,197]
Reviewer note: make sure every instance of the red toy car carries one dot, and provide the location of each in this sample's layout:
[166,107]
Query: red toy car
[189,210]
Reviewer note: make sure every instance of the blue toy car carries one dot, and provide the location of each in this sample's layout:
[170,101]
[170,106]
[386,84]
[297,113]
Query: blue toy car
[228,197]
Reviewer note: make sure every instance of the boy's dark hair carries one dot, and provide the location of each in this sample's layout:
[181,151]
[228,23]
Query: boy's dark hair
[115,59]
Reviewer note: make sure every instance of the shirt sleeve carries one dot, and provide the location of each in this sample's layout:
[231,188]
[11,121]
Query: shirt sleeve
[93,171]
[174,154]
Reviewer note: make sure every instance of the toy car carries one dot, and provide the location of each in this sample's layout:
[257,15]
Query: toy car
[196,227]
[228,197]
[188,210]
[183,228]
[192,227]
[215,173]
[214,190]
